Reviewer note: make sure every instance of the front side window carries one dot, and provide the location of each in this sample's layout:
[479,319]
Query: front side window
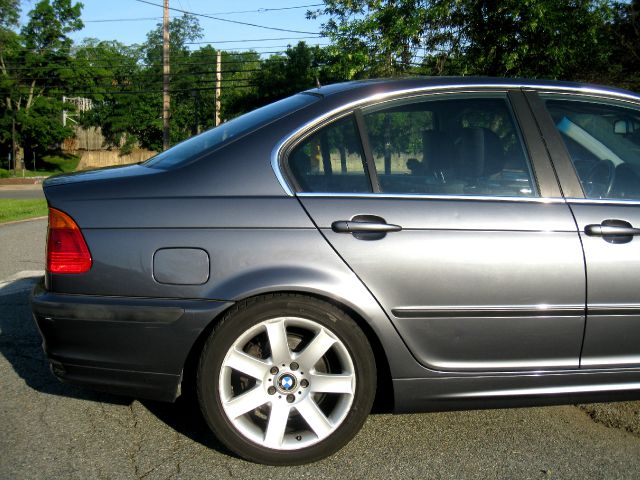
[603,141]
[331,160]
[454,146]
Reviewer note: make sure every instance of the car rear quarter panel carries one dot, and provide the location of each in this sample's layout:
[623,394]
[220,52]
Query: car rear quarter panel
[255,243]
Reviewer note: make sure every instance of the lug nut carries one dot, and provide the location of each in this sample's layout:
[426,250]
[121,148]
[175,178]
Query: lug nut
[291,398]
[274,370]
[304,382]
[294,366]
[271,390]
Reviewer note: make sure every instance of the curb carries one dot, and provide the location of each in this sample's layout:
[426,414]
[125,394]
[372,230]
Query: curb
[22,221]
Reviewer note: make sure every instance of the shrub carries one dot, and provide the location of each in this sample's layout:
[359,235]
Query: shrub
[62,163]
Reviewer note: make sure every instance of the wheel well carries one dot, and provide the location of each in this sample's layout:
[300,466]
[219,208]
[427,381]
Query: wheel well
[384,393]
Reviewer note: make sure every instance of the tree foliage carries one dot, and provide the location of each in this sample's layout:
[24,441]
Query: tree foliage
[531,38]
[9,13]
[35,69]
[624,36]
[381,36]
[593,40]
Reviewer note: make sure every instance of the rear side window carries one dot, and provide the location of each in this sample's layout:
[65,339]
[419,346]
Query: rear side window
[603,141]
[455,146]
[331,160]
[458,144]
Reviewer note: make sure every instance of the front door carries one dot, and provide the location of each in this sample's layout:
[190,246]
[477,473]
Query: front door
[602,138]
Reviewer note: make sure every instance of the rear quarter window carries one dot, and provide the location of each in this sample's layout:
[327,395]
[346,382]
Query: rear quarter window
[226,133]
[331,160]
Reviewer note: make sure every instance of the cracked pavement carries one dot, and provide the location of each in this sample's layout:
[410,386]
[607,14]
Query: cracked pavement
[52,430]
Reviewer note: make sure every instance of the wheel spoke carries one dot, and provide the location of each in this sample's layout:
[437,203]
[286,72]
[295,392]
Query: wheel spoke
[316,349]
[277,424]
[246,364]
[245,403]
[332,383]
[277,333]
[314,417]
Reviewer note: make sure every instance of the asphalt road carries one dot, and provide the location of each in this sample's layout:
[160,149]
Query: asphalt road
[51,430]
[21,191]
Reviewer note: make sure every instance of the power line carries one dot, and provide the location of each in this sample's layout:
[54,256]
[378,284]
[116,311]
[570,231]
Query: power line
[259,10]
[144,92]
[138,19]
[247,40]
[147,75]
[205,42]
[264,10]
[103,63]
[237,22]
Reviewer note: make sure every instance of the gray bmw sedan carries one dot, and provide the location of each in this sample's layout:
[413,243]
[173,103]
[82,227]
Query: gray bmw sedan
[443,242]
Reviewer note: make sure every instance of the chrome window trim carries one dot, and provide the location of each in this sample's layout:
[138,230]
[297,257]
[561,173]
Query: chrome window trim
[405,196]
[604,201]
[277,150]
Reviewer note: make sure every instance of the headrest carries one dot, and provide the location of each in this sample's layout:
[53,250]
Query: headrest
[438,153]
[480,152]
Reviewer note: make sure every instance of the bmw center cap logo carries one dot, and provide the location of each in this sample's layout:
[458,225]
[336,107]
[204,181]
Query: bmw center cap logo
[287,382]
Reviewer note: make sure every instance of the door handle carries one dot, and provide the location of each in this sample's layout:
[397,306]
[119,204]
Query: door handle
[617,231]
[365,227]
[351,226]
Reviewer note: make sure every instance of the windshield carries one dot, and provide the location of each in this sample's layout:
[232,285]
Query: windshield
[225,133]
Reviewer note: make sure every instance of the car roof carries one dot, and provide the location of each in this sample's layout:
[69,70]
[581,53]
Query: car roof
[365,88]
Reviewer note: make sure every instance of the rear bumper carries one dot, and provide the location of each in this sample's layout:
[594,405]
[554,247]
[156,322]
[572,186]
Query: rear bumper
[129,346]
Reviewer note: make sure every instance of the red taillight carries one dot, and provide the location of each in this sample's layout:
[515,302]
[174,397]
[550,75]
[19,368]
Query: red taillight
[67,252]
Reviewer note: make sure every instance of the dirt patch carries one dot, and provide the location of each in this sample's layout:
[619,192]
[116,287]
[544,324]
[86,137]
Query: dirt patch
[622,415]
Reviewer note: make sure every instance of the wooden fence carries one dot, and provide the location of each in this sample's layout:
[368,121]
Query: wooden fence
[107,158]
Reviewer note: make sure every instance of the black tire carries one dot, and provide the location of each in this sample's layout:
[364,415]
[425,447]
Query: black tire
[244,320]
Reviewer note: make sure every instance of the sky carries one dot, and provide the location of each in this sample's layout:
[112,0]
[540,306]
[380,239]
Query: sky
[128,21]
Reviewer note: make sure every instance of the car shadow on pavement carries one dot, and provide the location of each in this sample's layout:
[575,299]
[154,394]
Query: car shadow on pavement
[184,416]
[21,346]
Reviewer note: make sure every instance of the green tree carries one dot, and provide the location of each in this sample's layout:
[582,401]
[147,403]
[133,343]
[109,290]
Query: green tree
[9,45]
[381,36]
[624,34]
[128,91]
[35,65]
[534,38]
[238,73]
[111,74]
[280,76]
[9,13]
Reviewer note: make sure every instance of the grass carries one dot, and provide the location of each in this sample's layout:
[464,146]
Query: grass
[14,209]
[64,163]
[47,165]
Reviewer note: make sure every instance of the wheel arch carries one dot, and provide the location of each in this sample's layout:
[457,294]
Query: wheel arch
[384,401]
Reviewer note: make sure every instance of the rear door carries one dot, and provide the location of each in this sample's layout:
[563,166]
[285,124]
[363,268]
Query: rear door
[598,139]
[456,225]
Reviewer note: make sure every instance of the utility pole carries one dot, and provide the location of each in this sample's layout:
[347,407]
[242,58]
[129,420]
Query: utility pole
[218,85]
[166,100]
[13,142]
